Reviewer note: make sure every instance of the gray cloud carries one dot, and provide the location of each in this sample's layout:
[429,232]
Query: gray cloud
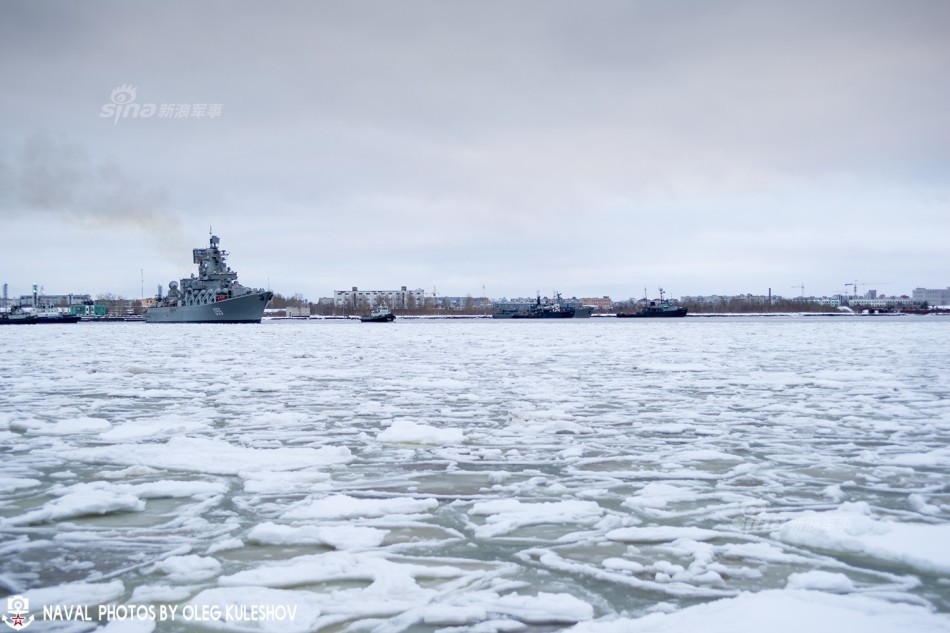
[511,144]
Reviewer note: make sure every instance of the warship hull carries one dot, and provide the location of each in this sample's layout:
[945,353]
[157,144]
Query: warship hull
[580,313]
[545,314]
[247,308]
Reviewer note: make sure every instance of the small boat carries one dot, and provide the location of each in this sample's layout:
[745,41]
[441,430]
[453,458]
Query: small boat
[656,309]
[18,316]
[381,314]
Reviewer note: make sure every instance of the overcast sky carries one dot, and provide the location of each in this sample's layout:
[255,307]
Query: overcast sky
[590,147]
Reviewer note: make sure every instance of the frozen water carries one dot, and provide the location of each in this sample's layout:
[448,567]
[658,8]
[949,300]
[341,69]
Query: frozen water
[781,612]
[485,476]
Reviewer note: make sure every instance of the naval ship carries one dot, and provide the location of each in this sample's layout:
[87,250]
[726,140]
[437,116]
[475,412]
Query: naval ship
[652,309]
[546,309]
[656,310]
[215,296]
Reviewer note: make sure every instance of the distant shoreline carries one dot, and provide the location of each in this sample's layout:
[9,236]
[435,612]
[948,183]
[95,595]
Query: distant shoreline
[701,315]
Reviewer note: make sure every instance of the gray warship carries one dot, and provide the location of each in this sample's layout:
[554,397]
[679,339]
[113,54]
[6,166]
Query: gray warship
[538,309]
[215,296]
[654,310]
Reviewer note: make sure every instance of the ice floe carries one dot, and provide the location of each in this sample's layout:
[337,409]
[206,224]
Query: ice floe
[660,534]
[337,507]
[782,612]
[77,593]
[211,456]
[506,515]
[821,581]
[79,504]
[409,432]
[922,546]
[187,569]
[342,537]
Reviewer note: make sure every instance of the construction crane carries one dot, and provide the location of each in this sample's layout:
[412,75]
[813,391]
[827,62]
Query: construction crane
[855,284]
[801,287]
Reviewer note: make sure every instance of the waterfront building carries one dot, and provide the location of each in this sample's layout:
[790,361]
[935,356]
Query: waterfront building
[394,299]
[601,303]
[705,299]
[63,301]
[933,296]
[720,299]
[884,302]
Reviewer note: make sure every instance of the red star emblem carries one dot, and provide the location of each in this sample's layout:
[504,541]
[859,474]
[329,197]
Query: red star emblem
[18,620]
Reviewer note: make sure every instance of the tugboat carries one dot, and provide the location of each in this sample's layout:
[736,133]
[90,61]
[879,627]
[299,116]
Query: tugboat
[653,310]
[215,296]
[379,315]
[19,315]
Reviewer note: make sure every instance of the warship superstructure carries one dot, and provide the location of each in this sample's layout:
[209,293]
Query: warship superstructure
[214,296]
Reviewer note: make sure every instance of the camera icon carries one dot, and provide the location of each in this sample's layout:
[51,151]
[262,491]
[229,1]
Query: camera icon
[17,607]
[18,604]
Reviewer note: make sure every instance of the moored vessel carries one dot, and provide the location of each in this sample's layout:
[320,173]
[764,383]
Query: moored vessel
[18,316]
[656,309]
[539,309]
[382,314]
[214,296]
[663,309]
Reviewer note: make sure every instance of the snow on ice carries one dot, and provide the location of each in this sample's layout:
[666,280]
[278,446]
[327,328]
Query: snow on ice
[720,475]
